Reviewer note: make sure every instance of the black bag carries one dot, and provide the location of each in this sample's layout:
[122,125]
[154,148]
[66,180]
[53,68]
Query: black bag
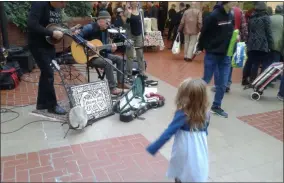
[8,78]
[25,60]
[15,64]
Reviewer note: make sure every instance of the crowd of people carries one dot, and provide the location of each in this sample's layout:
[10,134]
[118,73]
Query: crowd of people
[261,30]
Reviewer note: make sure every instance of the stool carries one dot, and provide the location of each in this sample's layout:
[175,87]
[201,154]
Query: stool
[101,76]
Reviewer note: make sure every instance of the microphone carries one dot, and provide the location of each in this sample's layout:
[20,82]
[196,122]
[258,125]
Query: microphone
[111,25]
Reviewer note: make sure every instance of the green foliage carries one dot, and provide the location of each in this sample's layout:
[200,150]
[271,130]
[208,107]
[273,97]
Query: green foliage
[78,9]
[17,11]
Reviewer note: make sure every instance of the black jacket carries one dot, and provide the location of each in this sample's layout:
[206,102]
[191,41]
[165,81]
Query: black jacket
[41,14]
[259,33]
[177,18]
[216,32]
[153,12]
[172,14]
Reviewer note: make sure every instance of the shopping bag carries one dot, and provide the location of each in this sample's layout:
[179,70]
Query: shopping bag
[239,58]
[176,45]
[232,44]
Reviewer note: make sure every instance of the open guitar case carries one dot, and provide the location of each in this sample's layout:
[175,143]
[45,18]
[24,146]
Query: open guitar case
[129,111]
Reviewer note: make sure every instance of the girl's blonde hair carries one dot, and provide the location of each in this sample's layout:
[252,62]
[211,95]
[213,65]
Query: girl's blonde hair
[192,99]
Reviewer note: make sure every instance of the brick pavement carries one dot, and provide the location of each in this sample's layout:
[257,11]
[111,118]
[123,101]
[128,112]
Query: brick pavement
[121,159]
[270,123]
[26,92]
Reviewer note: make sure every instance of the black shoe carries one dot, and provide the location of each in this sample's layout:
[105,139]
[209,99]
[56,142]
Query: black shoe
[245,82]
[41,107]
[219,112]
[228,89]
[57,110]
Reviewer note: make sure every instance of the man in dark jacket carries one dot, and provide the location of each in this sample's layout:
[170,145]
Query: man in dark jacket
[41,14]
[172,14]
[259,44]
[153,13]
[176,22]
[214,39]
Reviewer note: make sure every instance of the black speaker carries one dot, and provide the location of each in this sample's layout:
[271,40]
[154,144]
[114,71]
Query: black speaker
[25,60]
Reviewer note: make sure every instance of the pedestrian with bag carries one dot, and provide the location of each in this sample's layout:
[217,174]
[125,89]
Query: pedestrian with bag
[215,37]
[190,25]
[260,43]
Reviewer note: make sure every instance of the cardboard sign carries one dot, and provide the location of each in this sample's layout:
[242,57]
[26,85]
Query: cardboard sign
[95,97]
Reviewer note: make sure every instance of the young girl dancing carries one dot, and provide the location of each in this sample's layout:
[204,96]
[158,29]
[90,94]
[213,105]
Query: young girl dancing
[189,159]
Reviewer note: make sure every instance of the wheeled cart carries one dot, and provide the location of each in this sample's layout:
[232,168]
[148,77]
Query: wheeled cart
[266,77]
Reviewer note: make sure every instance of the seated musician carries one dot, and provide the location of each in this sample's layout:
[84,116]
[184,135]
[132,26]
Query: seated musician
[97,30]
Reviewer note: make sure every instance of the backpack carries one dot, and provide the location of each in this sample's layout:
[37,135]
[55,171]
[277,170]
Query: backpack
[8,78]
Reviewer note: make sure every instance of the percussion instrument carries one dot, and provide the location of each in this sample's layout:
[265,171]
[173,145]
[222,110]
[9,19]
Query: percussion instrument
[115,31]
[64,29]
[78,50]
[77,116]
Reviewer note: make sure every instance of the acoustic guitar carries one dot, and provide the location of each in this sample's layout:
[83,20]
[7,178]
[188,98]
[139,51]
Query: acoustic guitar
[78,51]
[64,29]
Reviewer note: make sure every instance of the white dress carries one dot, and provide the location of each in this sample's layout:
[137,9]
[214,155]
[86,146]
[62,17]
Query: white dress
[189,158]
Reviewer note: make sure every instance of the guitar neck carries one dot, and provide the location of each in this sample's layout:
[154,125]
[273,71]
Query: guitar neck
[109,45]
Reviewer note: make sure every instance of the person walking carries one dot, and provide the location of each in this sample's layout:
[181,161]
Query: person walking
[277,30]
[215,38]
[190,25]
[172,14]
[176,22]
[259,44]
[239,23]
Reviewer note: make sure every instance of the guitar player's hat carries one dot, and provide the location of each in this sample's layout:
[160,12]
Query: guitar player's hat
[104,15]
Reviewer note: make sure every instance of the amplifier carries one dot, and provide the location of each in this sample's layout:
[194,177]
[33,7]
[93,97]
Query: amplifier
[25,60]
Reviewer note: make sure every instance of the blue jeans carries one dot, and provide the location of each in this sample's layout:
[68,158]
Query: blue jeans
[223,65]
[216,75]
[281,89]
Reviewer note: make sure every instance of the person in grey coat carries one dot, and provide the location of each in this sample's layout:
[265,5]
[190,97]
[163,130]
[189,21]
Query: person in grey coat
[259,43]
[277,30]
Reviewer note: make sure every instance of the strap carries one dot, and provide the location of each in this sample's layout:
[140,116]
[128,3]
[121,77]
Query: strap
[178,37]
[237,17]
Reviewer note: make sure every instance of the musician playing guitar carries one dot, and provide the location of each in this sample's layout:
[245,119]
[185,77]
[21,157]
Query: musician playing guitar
[41,14]
[97,30]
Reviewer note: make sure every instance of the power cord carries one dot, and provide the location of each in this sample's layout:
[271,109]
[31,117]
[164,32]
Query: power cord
[5,110]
